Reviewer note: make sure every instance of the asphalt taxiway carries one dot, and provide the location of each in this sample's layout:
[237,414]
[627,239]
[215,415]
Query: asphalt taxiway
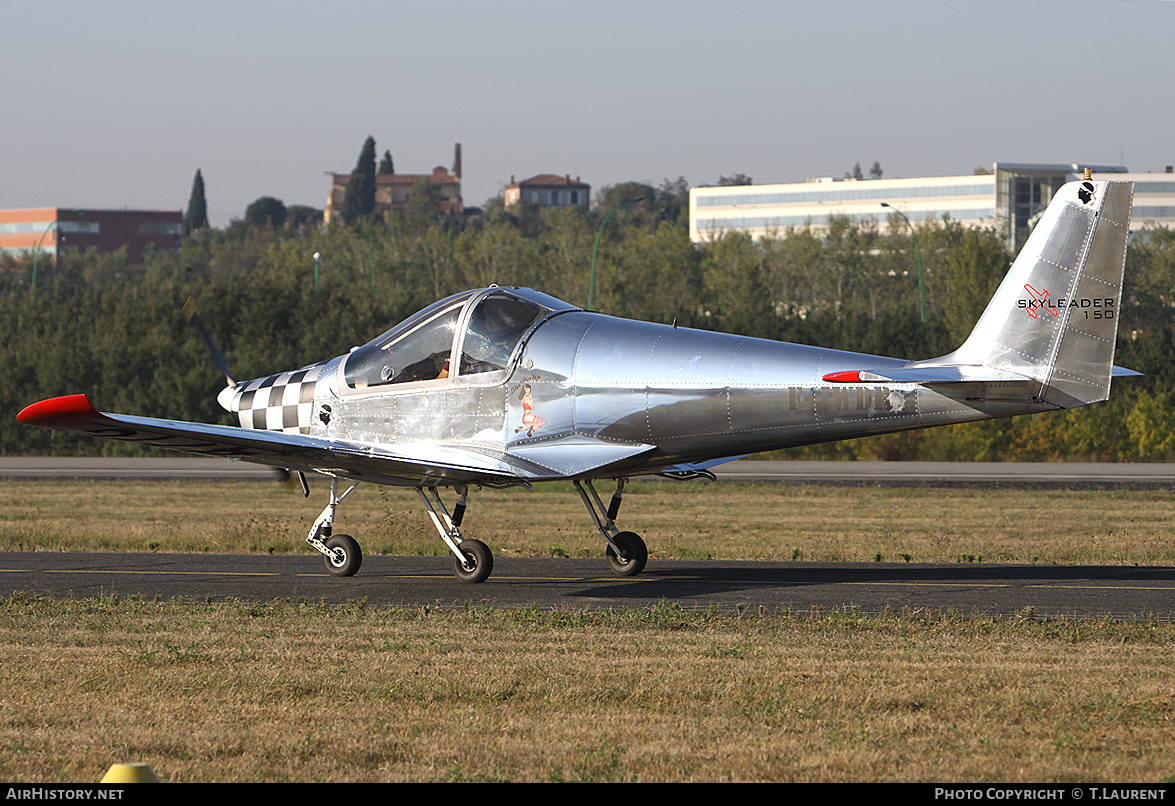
[798,587]
[966,589]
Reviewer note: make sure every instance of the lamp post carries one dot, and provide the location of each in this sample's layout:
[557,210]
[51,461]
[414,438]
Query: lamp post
[918,252]
[596,245]
[317,268]
[371,255]
[37,251]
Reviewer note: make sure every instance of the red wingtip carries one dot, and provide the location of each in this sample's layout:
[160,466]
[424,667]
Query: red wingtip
[852,376]
[56,409]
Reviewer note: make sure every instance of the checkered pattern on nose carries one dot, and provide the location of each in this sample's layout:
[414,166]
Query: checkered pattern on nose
[280,402]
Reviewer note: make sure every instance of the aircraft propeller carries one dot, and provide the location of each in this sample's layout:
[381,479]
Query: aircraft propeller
[284,475]
[189,311]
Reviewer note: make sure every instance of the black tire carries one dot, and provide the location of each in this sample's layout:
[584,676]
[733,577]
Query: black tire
[479,558]
[345,557]
[635,555]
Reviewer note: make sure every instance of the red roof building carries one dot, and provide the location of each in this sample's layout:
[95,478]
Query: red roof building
[548,190]
[391,190]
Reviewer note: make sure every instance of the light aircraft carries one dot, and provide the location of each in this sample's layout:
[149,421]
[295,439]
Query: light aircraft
[499,387]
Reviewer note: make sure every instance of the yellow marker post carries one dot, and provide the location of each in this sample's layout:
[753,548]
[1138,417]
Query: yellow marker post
[137,773]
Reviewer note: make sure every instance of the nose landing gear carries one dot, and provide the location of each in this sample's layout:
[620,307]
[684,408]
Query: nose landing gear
[472,559]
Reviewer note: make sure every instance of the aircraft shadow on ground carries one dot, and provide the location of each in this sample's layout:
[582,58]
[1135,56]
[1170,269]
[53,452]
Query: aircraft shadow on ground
[705,579]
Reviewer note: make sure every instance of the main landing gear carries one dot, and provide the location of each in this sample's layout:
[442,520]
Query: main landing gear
[472,559]
[626,552]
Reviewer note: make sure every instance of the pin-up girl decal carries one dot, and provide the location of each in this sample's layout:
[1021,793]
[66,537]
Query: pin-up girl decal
[530,421]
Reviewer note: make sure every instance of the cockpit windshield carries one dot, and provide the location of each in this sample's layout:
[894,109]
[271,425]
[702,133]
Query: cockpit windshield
[417,349]
[495,327]
[421,347]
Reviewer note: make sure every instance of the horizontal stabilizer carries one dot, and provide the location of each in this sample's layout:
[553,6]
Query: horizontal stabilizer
[942,374]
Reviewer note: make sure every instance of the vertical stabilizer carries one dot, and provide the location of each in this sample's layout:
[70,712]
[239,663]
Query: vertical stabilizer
[1055,316]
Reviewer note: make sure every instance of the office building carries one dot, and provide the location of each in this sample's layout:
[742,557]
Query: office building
[1007,199]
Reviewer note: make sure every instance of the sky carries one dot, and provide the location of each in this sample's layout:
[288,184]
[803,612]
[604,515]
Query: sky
[117,104]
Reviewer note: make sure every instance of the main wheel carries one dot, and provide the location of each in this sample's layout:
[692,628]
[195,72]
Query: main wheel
[345,557]
[634,554]
[479,562]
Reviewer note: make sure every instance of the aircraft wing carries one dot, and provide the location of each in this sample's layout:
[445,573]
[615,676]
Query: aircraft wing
[408,465]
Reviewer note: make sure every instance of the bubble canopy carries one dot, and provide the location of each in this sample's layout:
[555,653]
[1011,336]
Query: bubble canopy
[471,333]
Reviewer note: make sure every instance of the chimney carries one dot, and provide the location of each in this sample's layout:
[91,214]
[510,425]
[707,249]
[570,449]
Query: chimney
[457,160]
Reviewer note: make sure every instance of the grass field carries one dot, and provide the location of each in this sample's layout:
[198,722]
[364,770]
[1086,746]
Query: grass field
[681,521]
[294,691]
[298,692]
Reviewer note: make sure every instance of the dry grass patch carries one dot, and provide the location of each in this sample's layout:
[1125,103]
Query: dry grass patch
[681,521]
[297,692]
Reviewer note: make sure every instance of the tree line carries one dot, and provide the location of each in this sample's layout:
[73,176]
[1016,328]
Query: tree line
[96,323]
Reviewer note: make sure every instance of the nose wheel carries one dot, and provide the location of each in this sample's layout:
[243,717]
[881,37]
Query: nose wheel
[472,559]
[340,553]
[344,557]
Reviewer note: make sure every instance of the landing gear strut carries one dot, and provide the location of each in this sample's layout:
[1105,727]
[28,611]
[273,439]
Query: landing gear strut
[627,552]
[472,559]
[340,553]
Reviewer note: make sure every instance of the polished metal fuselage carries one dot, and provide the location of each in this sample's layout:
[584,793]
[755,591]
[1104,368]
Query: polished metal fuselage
[584,387]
